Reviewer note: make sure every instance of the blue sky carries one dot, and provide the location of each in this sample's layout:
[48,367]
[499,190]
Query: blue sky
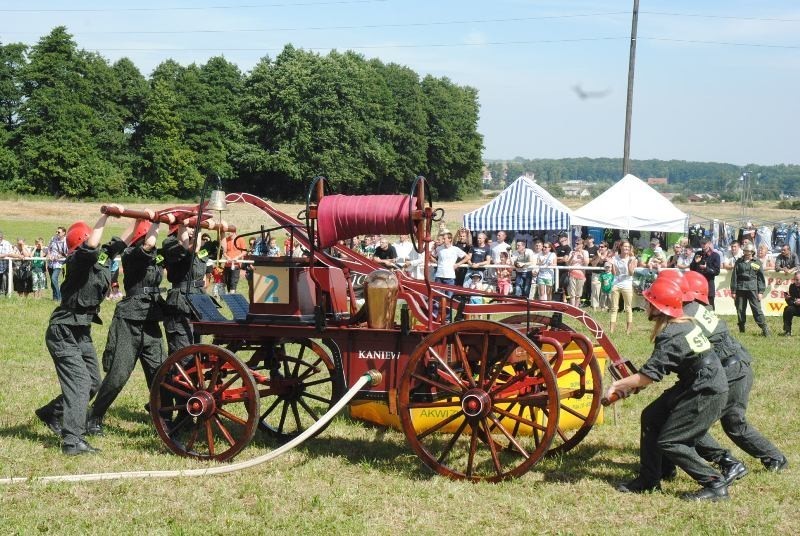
[715,80]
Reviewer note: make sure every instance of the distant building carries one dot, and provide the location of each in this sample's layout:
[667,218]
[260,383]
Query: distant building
[702,198]
[575,188]
[657,180]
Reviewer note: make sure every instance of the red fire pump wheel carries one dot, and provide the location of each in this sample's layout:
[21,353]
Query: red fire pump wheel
[305,382]
[204,403]
[478,401]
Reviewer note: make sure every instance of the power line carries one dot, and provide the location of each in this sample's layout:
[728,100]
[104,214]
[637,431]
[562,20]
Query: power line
[451,45]
[727,17]
[190,8]
[349,27]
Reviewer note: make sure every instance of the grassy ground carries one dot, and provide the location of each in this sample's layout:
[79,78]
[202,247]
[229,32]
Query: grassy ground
[356,478]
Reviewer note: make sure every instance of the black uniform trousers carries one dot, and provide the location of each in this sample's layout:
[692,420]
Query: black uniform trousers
[128,340]
[743,297]
[670,428]
[734,422]
[789,312]
[179,332]
[75,360]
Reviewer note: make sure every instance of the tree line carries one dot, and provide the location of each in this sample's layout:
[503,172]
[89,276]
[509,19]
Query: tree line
[766,182]
[72,124]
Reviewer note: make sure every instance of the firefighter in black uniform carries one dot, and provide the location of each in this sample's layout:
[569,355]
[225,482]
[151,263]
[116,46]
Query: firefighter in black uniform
[186,272]
[748,286]
[672,423]
[736,361]
[135,331]
[69,337]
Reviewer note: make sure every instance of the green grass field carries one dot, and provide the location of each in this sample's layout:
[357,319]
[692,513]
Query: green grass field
[361,479]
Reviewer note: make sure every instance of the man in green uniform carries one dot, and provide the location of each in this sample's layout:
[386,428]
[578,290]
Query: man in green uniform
[186,272]
[747,286]
[672,423]
[69,337]
[135,331]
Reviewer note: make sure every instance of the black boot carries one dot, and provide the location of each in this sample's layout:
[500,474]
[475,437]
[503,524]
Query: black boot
[94,426]
[638,485]
[50,420]
[765,330]
[776,465]
[741,328]
[76,449]
[713,491]
[731,469]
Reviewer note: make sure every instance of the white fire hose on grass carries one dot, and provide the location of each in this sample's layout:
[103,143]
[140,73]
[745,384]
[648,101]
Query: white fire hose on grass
[372,377]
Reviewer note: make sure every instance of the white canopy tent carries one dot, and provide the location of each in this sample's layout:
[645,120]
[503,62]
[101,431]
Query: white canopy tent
[522,206]
[632,204]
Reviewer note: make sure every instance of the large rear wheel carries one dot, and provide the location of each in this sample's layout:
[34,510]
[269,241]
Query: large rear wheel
[478,401]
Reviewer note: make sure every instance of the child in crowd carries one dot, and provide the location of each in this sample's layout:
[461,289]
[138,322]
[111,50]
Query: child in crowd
[504,275]
[217,276]
[606,284]
[272,248]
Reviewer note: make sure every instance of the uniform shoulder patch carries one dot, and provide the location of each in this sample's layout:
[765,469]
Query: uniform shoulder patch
[697,341]
[706,319]
[202,254]
[102,258]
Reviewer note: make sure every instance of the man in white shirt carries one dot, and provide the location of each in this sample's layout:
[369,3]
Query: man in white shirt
[5,272]
[448,258]
[735,255]
[403,249]
[499,246]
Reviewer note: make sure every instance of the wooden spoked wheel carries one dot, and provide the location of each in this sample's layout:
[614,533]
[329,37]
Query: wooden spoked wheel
[304,383]
[204,403]
[581,408]
[478,401]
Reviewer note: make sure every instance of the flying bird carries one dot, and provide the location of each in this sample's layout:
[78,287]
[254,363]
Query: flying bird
[589,94]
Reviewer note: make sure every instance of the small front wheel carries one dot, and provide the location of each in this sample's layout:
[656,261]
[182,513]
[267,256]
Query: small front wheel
[204,403]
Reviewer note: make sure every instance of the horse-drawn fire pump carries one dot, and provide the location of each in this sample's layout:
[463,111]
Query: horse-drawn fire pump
[477,399]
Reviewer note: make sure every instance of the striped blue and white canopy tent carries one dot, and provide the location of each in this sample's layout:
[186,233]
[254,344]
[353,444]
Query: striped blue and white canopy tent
[522,206]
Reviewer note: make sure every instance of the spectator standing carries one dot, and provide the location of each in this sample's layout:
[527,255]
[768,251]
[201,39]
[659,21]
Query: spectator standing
[623,265]
[734,255]
[767,262]
[598,260]
[792,308]
[577,276]
[385,254]
[5,249]
[463,241]
[523,263]
[272,249]
[233,267]
[787,262]
[591,251]
[747,286]
[562,251]
[672,261]
[499,245]
[403,249]
[544,281]
[23,276]
[686,257]
[38,268]
[448,258]
[606,278]
[56,255]
[706,262]
[504,274]
[480,256]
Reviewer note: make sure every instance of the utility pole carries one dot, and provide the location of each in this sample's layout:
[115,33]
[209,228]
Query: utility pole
[626,157]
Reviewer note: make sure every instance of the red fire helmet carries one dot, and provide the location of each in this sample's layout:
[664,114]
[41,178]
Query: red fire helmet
[666,296]
[139,230]
[695,287]
[77,234]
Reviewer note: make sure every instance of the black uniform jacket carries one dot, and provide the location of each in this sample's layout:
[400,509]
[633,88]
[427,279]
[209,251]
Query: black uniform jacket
[682,348]
[87,279]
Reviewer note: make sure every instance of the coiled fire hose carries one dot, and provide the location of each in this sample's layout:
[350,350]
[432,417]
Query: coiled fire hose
[371,377]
